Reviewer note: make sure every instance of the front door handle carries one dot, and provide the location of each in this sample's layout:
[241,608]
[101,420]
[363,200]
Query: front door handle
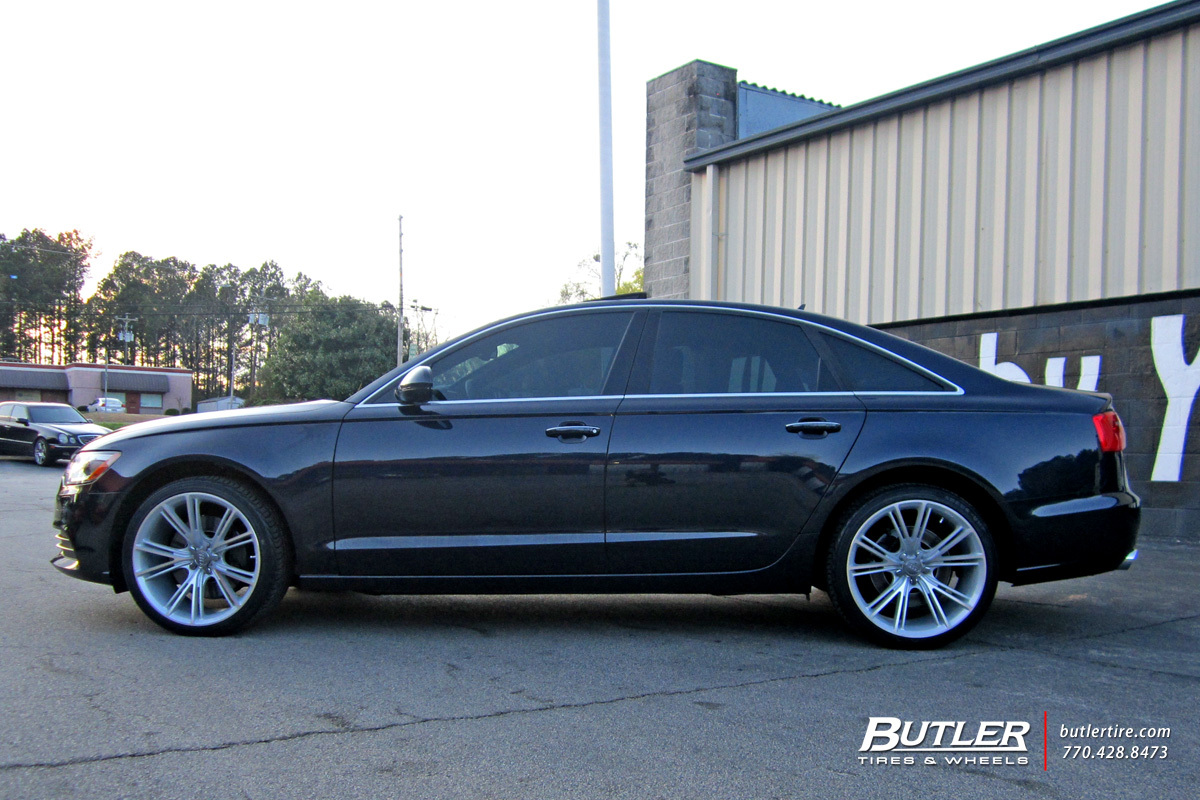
[572,430]
[813,427]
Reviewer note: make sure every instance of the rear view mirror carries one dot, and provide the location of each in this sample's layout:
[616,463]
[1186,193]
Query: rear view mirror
[416,389]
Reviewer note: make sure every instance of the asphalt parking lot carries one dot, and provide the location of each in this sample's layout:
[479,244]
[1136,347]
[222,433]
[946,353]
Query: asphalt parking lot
[350,696]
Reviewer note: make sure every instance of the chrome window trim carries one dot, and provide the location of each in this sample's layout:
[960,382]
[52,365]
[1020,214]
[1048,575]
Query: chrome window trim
[946,393]
[520,399]
[956,390]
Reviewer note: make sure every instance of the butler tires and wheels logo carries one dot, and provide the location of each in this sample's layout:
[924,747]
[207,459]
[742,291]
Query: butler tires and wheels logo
[892,741]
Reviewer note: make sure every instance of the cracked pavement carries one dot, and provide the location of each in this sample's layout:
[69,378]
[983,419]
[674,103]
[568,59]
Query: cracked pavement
[352,696]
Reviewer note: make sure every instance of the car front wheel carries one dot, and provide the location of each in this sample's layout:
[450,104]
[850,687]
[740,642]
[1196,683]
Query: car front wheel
[206,557]
[912,567]
[41,453]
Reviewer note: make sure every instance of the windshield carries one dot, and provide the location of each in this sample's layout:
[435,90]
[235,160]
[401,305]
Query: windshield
[53,415]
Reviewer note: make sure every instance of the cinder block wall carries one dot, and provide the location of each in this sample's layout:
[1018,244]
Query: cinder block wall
[1140,343]
[688,109]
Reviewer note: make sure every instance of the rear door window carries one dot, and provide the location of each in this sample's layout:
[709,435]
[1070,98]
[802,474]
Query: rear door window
[701,352]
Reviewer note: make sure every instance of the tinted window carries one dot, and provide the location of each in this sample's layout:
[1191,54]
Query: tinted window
[53,414]
[707,353]
[867,370]
[560,356]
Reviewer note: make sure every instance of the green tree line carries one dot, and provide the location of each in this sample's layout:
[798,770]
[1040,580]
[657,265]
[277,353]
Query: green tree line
[285,339]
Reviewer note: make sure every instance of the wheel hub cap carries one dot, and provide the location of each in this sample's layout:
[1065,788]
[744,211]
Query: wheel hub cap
[912,567]
[201,559]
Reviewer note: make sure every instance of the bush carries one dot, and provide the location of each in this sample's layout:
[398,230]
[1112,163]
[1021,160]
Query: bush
[81,409]
[172,412]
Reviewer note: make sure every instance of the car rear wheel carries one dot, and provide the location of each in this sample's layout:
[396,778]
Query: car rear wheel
[912,567]
[41,453]
[206,557]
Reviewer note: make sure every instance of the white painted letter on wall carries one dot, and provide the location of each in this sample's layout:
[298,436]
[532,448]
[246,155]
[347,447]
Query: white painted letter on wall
[1089,372]
[1005,369]
[1180,381]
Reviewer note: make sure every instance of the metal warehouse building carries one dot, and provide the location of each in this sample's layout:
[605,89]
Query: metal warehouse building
[1038,215]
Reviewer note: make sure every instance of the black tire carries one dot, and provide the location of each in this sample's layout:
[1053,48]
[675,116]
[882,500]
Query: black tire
[919,589]
[41,453]
[215,534]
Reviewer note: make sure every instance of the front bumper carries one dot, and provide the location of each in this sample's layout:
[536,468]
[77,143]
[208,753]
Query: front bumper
[86,548]
[58,451]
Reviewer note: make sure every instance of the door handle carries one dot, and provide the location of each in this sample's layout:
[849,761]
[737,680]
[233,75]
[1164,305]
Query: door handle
[572,430]
[813,427]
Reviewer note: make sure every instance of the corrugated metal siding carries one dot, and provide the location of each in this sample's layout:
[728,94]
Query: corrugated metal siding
[1077,183]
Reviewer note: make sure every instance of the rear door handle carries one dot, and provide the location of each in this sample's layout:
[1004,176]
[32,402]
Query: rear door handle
[572,430]
[813,427]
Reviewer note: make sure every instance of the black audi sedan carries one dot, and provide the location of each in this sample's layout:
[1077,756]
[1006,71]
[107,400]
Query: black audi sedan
[621,446]
[46,432]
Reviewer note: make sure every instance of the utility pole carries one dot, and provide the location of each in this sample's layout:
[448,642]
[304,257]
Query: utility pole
[232,338]
[125,335]
[400,304]
[258,319]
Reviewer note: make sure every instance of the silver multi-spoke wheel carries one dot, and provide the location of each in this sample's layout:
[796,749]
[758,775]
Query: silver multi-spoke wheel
[915,565]
[195,558]
[205,556]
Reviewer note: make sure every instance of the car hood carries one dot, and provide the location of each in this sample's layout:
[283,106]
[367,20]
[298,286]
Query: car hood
[73,428]
[314,411]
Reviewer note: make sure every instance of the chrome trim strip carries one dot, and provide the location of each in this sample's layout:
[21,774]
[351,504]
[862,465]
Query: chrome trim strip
[518,400]
[747,394]
[674,536]
[434,542]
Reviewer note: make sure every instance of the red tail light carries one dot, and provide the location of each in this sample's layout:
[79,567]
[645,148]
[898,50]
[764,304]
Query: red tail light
[1110,430]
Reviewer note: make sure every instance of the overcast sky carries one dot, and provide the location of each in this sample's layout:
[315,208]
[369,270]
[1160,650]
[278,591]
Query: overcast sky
[240,132]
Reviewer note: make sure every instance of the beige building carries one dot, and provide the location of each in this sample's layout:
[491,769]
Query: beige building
[1038,215]
[143,390]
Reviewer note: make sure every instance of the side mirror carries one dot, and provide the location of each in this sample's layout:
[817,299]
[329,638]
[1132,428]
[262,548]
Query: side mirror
[417,387]
[23,421]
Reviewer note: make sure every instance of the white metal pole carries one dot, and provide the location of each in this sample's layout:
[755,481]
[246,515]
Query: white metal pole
[608,280]
[400,303]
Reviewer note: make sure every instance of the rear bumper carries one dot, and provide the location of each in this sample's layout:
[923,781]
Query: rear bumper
[1076,538]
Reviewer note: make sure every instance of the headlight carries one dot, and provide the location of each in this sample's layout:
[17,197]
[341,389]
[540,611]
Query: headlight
[64,438]
[87,466]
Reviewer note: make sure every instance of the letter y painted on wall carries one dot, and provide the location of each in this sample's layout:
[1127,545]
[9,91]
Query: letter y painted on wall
[1180,381]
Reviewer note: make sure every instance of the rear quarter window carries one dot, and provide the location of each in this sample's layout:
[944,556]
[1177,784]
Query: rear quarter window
[864,369]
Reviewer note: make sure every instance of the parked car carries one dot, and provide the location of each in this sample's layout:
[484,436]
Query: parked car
[621,446]
[45,432]
[109,404]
